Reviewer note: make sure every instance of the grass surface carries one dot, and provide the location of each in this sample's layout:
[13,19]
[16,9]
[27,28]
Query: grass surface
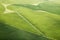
[42,19]
[46,22]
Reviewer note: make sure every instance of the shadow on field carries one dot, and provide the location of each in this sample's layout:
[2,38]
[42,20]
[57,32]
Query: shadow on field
[8,32]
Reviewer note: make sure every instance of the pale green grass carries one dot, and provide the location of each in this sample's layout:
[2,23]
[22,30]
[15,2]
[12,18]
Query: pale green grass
[2,9]
[20,1]
[15,20]
[48,23]
[39,22]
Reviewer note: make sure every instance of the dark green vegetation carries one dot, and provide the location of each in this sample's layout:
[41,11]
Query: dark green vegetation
[8,32]
[50,7]
[46,6]
[31,22]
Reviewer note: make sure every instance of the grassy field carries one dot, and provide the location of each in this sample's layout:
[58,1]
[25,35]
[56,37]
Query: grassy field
[40,21]
[46,22]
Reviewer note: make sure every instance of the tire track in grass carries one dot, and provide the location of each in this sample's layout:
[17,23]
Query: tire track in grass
[33,26]
[7,10]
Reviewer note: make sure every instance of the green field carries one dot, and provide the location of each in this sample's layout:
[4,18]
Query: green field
[30,22]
